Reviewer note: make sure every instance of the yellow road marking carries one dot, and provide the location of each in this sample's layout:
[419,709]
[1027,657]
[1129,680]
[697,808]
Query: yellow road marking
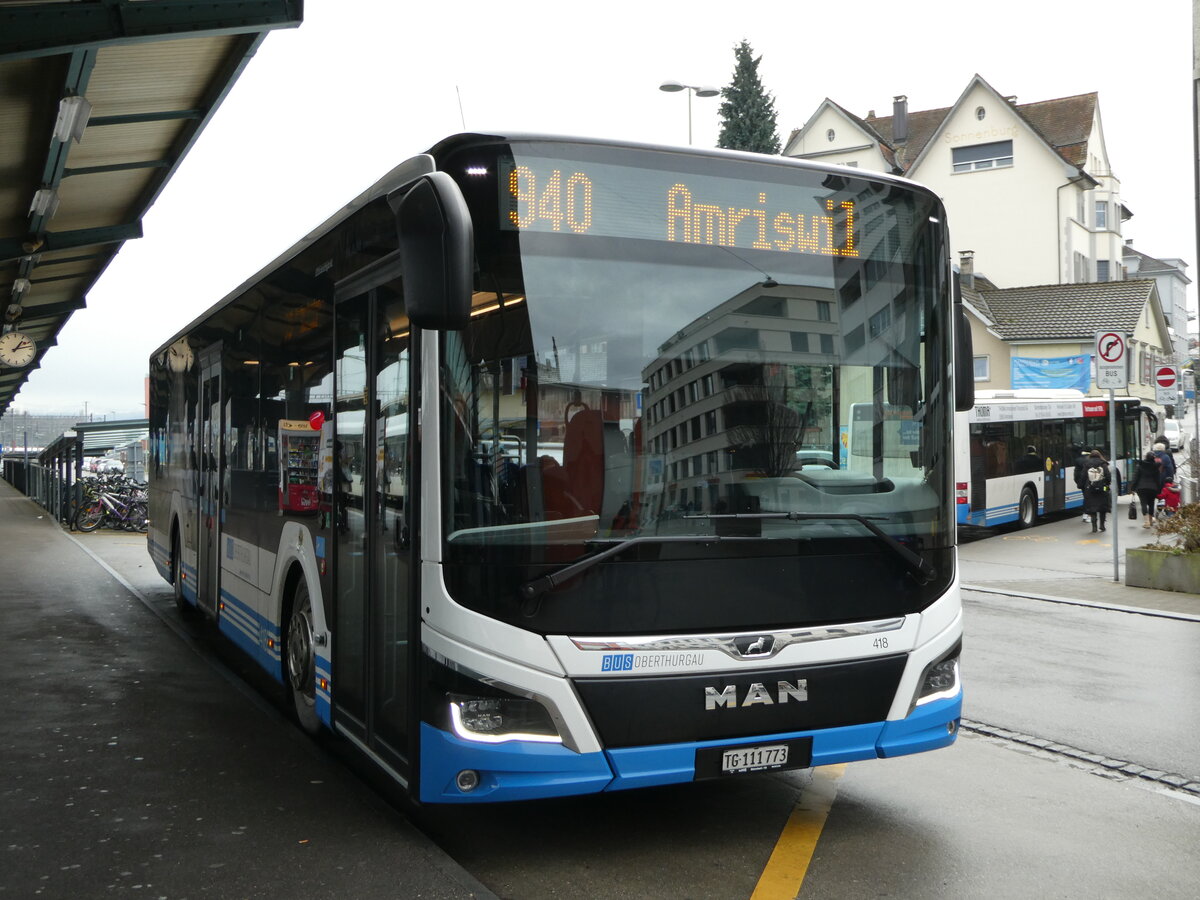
[785,870]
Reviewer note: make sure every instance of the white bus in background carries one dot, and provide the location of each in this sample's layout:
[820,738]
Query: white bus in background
[1015,451]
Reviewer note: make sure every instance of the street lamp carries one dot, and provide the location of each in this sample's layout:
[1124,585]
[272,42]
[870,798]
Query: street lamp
[672,87]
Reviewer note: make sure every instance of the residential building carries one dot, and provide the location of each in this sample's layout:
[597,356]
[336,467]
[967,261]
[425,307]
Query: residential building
[1172,283]
[1027,186]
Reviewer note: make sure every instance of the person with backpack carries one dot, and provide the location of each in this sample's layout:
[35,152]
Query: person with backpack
[1148,482]
[1080,459]
[1096,500]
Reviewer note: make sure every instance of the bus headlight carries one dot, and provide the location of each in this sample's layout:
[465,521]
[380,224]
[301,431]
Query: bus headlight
[496,719]
[940,679]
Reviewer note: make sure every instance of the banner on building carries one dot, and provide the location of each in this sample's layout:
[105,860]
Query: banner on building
[1052,372]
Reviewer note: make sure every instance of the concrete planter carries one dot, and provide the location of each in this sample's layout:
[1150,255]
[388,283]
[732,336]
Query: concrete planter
[1163,571]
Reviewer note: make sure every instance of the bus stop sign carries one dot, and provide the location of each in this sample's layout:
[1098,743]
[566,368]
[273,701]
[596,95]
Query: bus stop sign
[1166,385]
[1110,360]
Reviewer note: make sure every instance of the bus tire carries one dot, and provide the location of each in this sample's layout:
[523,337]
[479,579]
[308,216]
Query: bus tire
[300,660]
[1027,508]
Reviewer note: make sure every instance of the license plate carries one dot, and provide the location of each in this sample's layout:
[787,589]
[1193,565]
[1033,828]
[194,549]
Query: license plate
[713,762]
[754,759]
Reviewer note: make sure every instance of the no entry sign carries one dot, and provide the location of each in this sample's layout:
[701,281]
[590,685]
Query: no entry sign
[1166,385]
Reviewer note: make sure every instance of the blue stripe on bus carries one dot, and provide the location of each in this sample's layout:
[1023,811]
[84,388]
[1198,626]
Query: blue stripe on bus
[323,696]
[514,770]
[522,770]
[1009,512]
[924,729]
[188,587]
[255,635]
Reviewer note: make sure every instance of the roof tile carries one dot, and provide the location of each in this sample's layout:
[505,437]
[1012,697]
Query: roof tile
[1067,311]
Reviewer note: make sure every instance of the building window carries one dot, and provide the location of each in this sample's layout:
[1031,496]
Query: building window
[830,135]
[1101,214]
[983,156]
[1102,270]
[982,368]
[1081,267]
[980,113]
[880,322]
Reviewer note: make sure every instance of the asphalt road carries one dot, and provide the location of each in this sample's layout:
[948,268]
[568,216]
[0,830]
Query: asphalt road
[1122,685]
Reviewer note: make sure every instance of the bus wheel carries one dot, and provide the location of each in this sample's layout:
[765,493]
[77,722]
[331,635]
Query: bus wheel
[300,659]
[1027,511]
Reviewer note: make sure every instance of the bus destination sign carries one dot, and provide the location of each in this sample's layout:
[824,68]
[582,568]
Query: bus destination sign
[618,201]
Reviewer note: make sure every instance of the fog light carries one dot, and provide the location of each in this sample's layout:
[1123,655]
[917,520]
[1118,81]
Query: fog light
[467,780]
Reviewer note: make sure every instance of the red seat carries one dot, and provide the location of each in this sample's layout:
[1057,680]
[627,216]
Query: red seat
[583,459]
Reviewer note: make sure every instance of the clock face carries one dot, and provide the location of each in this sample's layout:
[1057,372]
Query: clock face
[179,356]
[16,349]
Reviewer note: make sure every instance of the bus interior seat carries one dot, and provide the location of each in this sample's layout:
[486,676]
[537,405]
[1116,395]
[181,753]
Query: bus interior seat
[583,458]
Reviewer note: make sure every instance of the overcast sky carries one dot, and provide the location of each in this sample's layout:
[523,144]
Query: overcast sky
[322,111]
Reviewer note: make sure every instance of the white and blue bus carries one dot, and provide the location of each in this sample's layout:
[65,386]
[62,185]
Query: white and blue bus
[1016,450]
[496,471]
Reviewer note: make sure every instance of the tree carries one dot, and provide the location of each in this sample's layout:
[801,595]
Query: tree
[764,429]
[748,117]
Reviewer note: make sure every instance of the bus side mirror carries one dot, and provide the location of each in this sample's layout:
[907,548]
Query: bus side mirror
[437,254]
[964,355]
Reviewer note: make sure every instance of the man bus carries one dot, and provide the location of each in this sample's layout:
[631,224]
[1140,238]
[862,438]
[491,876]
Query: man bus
[496,471]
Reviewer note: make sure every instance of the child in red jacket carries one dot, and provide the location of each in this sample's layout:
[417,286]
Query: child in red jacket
[1169,496]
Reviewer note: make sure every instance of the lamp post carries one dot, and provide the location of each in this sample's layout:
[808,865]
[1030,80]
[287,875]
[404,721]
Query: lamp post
[672,87]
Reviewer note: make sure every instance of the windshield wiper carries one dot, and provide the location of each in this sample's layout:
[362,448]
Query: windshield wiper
[532,591]
[916,563]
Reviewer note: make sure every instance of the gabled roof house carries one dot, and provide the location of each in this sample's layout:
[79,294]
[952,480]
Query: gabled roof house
[1028,187]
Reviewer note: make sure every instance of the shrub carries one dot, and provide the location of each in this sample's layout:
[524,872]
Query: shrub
[1185,524]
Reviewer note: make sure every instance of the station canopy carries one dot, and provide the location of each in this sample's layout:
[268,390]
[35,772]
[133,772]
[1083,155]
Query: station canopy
[100,100]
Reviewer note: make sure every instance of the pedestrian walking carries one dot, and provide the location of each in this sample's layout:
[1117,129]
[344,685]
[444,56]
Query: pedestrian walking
[1165,459]
[1081,459]
[1148,482]
[1096,500]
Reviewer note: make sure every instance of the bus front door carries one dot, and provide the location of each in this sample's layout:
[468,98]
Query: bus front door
[373,570]
[1054,452]
[208,466]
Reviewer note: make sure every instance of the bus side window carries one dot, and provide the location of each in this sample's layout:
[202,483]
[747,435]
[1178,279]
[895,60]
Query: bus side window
[996,454]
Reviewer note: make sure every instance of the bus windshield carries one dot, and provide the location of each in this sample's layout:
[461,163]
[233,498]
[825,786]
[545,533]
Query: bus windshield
[686,347]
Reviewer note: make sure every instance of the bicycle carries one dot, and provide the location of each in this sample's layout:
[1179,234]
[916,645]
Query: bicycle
[121,506]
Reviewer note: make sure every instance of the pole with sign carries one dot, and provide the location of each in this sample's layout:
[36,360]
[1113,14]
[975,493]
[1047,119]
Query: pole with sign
[1111,373]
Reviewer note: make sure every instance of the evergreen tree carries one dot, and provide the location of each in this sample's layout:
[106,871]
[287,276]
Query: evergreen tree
[748,118]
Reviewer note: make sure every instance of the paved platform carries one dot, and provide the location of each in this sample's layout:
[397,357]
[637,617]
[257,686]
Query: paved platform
[1063,560]
[133,765]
